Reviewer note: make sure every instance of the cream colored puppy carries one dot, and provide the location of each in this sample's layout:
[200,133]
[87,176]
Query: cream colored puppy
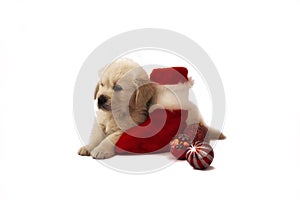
[121,94]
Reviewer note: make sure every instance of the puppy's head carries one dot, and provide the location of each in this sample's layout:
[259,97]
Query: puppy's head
[120,83]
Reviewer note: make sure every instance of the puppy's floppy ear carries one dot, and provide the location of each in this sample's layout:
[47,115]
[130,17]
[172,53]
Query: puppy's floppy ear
[143,94]
[100,72]
[96,91]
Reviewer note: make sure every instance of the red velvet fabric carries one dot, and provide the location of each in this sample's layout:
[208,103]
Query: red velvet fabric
[169,76]
[154,135]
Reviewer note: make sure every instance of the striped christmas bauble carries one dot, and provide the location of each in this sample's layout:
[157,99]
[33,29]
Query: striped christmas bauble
[200,155]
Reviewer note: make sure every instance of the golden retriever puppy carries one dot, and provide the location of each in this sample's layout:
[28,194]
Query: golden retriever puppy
[122,95]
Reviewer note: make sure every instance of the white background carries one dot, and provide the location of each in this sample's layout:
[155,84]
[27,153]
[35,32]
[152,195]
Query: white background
[255,46]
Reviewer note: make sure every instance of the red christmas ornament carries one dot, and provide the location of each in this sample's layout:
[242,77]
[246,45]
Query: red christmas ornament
[197,132]
[200,155]
[179,146]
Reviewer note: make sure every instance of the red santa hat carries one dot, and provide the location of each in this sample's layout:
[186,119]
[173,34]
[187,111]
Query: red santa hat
[173,87]
[169,76]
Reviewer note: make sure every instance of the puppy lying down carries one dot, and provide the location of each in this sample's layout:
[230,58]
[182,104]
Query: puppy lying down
[122,94]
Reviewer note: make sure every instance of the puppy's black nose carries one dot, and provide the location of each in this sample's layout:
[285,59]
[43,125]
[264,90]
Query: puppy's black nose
[102,99]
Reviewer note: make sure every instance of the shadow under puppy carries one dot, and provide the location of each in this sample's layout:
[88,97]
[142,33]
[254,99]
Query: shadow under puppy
[120,82]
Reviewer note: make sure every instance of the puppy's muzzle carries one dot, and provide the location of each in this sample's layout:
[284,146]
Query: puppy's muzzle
[104,102]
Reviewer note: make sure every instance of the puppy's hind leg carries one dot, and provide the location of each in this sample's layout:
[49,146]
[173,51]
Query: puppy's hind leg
[215,134]
[95,139]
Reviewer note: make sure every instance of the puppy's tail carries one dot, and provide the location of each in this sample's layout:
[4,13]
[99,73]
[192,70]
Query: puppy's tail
[215,134]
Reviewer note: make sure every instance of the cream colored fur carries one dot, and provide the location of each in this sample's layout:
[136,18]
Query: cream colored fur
[126,108]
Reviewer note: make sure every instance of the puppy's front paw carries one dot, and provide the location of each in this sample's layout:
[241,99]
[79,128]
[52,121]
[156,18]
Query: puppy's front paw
[83,151]
[103,151]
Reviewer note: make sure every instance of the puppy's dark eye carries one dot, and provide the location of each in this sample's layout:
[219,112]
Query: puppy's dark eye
[117,88]
[102,84]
